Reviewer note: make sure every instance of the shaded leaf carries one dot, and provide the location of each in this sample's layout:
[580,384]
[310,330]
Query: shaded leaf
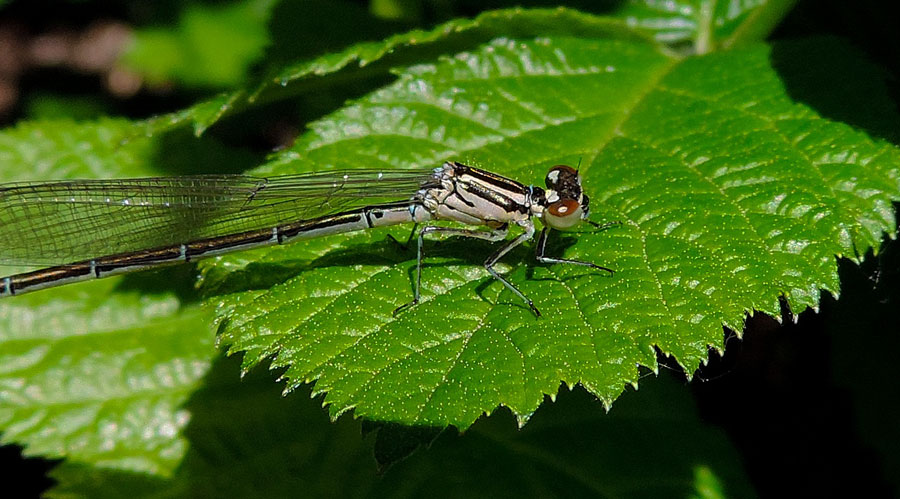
[865,315]
[246,440]
[377,57]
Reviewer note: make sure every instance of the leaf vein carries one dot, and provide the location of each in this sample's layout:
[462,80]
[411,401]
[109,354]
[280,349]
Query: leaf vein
[771,126]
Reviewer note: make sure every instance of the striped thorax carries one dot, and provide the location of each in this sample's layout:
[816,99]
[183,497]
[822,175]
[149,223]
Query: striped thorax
[478,197]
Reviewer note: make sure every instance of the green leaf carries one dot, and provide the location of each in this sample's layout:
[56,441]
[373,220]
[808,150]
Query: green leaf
[705,25]
[63,148]
[98,375]
[407,10]
[652,444]
[97,372]
[707,484]
[247,440]
[731,195]
[48,106]
[378,57]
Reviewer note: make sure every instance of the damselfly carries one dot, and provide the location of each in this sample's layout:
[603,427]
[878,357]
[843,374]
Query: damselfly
[109,227]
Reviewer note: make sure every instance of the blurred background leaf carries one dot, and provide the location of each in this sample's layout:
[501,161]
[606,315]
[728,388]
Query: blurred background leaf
[212,45]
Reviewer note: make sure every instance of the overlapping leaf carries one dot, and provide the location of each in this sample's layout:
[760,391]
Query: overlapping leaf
[97,372]
[246,440]
[704,24]
[732,194]
[700,24]
[379,56]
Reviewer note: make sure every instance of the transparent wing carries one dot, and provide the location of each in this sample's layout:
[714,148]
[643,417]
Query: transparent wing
[58,222]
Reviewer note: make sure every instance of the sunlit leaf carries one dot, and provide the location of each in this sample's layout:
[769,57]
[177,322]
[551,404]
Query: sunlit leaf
[97,372]
[704,25]
[731,195]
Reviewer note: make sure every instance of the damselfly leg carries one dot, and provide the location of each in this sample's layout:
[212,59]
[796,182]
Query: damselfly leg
[496,235]
[541,257]
[493,235]
[528,225]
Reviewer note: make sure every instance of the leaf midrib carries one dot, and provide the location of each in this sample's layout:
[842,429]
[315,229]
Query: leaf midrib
[625,114]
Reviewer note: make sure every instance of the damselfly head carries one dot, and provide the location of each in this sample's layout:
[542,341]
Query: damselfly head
[566,206]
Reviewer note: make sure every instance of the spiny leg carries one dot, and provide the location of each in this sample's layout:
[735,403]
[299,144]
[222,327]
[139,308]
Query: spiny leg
[542,244]
[493,235]
[506,248]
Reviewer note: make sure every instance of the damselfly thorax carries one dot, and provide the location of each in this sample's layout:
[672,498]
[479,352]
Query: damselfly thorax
[96,228]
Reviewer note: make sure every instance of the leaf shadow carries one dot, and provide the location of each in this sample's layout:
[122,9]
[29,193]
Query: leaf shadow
[438,254]
[257,276]
[826,372]
[178,151]
[839,82]
[245,439]
[177,279]
[557,246]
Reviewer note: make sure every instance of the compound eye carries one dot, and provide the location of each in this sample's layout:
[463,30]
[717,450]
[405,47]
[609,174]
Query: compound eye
[563,214]
[553,176]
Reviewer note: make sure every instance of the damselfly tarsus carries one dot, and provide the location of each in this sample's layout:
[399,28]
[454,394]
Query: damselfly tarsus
[109,227]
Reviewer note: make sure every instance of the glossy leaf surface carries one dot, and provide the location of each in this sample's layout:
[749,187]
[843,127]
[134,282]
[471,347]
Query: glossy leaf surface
[731,194]
[97,372]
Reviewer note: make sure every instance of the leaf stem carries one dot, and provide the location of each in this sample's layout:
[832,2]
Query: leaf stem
[705,19]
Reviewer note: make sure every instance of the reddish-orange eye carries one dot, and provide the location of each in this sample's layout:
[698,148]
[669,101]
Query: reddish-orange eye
[564,208]
[563,214]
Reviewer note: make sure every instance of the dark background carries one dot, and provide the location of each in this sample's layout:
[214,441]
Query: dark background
[810,400]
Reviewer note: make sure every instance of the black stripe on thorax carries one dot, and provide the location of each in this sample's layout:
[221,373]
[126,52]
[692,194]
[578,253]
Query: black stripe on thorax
[496,197]
[492,179]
